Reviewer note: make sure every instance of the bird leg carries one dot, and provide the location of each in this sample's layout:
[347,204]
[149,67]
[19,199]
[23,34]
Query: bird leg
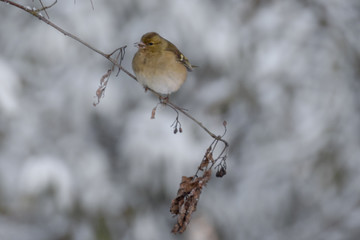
[165,99]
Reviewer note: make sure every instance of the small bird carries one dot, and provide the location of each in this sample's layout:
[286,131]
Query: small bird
[159,65]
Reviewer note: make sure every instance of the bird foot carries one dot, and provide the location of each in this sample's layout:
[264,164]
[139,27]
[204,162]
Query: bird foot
[164,99]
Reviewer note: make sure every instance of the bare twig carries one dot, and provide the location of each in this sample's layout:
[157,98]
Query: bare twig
[35,13]
[100,92]
[44,8]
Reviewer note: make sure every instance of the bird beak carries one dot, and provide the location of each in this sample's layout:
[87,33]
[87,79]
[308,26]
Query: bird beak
[139,45]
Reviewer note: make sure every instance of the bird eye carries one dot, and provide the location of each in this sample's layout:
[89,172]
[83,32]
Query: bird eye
[150,43]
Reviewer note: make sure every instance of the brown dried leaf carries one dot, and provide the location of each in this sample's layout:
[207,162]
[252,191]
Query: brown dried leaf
[186,180]
[102,87]
[204,163]
[186,187]
[153,113]
[209,156]
[224,123]
[208,150]
[175,205]
[207,175]
[186,200]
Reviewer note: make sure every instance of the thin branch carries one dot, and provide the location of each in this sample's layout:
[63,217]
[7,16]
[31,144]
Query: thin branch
[44,8]
[35,13]
[174,106]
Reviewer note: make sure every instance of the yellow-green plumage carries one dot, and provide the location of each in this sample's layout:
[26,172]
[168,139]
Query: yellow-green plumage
[159,65]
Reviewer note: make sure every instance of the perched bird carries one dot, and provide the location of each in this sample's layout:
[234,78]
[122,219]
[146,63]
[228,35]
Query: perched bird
[159,65]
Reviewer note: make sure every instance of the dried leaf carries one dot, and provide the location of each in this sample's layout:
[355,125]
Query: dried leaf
[207,175]
[209,156]
[102,87]
[224,123]
[187,199]
[153,113]
[204,163]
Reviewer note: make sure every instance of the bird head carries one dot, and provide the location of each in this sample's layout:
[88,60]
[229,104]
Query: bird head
[152,42]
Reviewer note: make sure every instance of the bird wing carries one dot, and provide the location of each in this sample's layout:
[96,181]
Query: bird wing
[180,57]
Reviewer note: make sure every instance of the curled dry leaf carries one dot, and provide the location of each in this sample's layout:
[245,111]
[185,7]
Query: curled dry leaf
[186,200]
[206,159]
[101,89]
[210,158]
[153,113]
[224,123]
[204,164]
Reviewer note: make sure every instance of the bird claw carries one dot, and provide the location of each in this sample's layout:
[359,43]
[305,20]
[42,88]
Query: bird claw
[164,99]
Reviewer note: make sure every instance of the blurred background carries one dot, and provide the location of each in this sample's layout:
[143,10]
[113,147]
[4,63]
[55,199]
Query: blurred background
[285,75]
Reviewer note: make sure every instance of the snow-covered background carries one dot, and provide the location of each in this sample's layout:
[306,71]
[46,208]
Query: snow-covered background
[284,74]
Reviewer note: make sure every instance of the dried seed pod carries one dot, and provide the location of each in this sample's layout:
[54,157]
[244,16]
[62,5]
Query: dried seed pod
[221,172]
